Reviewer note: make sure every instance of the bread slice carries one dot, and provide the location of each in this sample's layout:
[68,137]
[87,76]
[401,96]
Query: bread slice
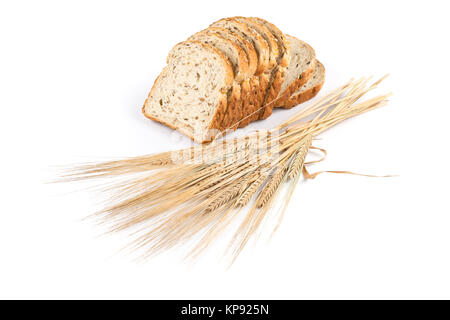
[299,70]
[310,89]
[239,61]
[259,83]
[190,94]
[238,107]
[278,74]
[231,50]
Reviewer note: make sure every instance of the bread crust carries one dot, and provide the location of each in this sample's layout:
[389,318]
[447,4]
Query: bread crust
[234,108]
[302,97]
[272,91]
[245,107]
[294,86]
[305,95]
[252,109]
[297,83]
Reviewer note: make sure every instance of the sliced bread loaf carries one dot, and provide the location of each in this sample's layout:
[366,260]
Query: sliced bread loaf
[310,89]
[299,70]
[190,94]
[230,74]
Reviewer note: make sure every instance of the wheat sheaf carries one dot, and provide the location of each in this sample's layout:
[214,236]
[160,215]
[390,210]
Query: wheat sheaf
[172,198]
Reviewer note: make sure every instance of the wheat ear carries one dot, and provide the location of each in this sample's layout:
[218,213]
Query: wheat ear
[251,189]
[299,157]
[227,196]
[271,186]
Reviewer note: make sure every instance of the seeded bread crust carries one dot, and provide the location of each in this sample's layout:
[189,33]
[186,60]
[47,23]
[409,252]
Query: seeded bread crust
[277,76]
[307,92]
[216,122]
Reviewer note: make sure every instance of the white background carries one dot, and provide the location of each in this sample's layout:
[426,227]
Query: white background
[73,77]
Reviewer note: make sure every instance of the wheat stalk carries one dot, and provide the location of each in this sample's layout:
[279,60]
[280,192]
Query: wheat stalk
[173,196]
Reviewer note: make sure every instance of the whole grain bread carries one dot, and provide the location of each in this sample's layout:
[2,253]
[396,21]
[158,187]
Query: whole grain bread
[190,94]
[230,74]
